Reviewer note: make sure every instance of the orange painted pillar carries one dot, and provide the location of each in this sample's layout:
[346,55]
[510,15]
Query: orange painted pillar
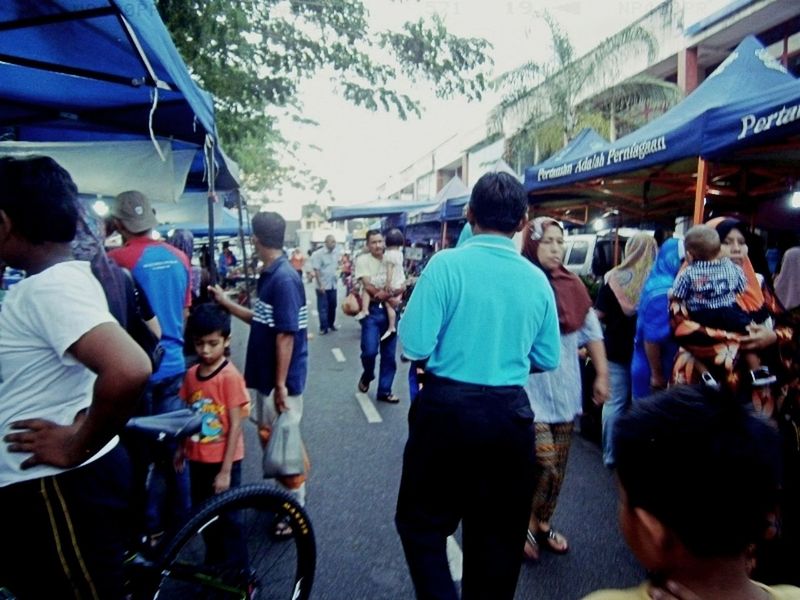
[700,191]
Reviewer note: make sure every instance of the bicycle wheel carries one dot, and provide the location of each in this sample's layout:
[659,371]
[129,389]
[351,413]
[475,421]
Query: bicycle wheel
[228,549]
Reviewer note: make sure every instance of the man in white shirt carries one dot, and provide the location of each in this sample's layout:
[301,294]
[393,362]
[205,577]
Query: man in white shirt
[71,377]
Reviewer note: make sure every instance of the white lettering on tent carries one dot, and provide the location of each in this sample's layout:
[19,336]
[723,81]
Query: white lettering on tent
[753,125]
[555,172]
[639,151]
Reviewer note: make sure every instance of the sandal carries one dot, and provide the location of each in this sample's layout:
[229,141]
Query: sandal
[390,398]
[552,541]
[281,530]
[531,549]
[363,386]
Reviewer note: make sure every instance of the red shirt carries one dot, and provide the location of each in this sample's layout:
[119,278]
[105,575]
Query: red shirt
[213,397]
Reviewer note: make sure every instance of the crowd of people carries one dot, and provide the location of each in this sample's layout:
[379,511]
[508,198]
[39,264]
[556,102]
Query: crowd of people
[710,486]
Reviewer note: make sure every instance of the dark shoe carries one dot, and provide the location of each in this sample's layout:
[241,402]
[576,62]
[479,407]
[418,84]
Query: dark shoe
[323,332]
[363,386]
[390,398]
[334,328]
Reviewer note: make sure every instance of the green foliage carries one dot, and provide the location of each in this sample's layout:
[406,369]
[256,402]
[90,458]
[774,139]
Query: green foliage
[546,96]
[253,54]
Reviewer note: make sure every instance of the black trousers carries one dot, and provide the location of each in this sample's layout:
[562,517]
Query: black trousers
[470,458]
[65,535]
[326,307]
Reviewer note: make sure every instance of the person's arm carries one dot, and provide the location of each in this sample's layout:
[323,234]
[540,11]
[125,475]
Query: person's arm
[122,369]
[597,352]
[222,481]
[422,321]
[284,346]
[545,354]
[362,275]
[236,309]
[653,352]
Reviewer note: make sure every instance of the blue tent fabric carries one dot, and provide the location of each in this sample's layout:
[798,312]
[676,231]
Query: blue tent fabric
[775,114]
[74,63]
[375,209]
[748,73]
[456,208]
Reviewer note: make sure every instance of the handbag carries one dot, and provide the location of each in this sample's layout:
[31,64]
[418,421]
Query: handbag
[137,327]
[351,305]
[284,452]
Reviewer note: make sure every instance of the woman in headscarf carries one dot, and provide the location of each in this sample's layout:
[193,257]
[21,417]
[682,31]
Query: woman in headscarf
[616,305]
[125,301]
[653,345]
[713,356]
[555,396]
[183,240]
[787,283]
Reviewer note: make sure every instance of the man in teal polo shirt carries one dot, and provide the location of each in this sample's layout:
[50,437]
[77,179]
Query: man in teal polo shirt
[484,318]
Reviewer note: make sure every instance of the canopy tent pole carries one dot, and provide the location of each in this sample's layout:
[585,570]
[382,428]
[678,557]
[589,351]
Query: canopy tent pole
[212,246]
[444,234]
[700,191]
[245,258]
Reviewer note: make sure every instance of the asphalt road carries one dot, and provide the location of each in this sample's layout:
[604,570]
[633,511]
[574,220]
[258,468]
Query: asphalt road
[356,457]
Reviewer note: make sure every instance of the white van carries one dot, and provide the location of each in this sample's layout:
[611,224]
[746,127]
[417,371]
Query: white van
[593,253]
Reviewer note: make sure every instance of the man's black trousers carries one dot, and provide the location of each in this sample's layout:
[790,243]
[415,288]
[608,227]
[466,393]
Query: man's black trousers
[469,458]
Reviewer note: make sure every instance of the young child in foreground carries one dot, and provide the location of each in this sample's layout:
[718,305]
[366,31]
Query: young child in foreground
[709,286]
[394,277]
[699,475]
[215,389]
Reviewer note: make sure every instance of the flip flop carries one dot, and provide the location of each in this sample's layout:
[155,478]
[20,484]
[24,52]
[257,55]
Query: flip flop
[531,550]
[552,541]
[363,386]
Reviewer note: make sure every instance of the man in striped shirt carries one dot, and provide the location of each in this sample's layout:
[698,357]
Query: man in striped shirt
[277,349]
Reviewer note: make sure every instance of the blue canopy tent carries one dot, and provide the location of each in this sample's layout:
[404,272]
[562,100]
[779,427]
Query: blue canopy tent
[380,208]
[191,213]
[103,70]
[657,168]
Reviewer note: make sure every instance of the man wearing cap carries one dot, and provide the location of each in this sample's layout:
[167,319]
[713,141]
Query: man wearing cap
[162,272]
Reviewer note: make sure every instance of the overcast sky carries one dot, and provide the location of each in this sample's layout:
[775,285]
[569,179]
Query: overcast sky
[358,150]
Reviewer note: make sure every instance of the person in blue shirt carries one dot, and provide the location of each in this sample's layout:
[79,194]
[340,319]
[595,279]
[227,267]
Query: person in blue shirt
[484,318]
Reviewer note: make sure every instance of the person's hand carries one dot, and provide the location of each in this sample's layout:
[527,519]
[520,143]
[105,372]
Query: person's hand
[600,391]
[672,590]
[759,337]
[279,395]
[47,442]
[217,293]
[222,482]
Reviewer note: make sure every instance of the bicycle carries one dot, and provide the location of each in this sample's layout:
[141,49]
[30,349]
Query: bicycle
[178,567]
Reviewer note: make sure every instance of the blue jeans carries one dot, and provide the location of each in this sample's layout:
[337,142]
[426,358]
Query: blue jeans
[619,383]
[373,326]
[326,307]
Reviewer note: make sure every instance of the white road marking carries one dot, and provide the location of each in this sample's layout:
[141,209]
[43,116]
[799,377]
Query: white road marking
[338,355]
[455,558]
[372,414]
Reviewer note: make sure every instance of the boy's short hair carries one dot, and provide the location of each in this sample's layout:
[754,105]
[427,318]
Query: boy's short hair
[702,242]
[394,237]
[703,464]
[208,318]
[269,228]
[40,198]
[498,202]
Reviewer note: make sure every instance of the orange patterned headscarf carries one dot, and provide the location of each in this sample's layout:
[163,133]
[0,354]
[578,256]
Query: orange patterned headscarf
[752,298]
[627,280]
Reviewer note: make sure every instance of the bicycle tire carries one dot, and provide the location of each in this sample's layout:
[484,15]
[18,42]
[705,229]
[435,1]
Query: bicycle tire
[274,569]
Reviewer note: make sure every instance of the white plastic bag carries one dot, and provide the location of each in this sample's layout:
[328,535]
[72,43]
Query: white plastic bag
[284,452]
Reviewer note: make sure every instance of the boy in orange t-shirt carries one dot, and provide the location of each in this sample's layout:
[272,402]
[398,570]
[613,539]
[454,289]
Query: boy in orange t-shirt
[216,389]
